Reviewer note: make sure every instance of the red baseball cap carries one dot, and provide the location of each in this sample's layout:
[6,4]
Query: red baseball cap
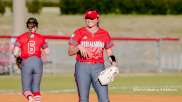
[91,14]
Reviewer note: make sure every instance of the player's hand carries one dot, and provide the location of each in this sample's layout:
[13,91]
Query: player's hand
[113,63]
[84,52]
[19,62]
[108,75]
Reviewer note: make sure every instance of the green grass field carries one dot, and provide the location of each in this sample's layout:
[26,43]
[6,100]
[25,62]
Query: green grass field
[117,25]
[143,84]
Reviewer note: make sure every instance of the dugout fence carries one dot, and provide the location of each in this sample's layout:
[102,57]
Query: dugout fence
[133,55]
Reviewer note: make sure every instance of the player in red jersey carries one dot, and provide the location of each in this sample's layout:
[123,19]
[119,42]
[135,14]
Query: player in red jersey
[28,46]
[88,44]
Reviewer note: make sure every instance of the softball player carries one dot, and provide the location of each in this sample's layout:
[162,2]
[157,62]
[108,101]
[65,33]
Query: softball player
[28,46]
[88,44]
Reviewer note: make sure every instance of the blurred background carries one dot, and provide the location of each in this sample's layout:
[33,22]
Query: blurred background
[146,34]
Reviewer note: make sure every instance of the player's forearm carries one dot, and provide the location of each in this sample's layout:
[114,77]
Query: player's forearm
[46,50]
[46,55]
[109,52]
[16,51]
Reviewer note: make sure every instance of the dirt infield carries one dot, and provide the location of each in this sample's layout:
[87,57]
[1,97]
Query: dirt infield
[73,98]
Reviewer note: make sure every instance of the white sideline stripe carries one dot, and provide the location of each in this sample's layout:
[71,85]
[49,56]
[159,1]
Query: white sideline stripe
[111,87]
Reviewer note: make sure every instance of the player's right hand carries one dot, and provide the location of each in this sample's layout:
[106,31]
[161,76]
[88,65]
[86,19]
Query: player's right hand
[19,62]
[84,52]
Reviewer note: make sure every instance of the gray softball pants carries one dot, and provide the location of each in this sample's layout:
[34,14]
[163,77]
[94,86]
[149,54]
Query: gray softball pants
[85,75]
[31,74]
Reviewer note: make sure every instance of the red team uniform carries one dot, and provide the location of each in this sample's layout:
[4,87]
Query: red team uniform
[87,69]
[32,66]
[94,43]
[31,46]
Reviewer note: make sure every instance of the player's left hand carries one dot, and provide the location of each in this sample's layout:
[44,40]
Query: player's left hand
[108,75]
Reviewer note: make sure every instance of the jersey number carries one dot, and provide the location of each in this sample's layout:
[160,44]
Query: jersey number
[31,47]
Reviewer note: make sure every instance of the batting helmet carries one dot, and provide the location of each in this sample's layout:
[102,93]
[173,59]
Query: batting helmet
[32,21]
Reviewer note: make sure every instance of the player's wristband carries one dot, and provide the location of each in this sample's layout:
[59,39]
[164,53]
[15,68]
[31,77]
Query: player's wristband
[112,58]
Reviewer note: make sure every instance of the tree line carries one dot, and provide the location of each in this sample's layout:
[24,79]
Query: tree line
[148,7]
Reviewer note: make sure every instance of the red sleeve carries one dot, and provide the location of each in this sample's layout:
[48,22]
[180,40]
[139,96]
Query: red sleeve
[44,43]
[17,42]
[75,38]
[108,43]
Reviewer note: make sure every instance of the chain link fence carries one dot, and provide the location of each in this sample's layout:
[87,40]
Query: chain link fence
[132,55]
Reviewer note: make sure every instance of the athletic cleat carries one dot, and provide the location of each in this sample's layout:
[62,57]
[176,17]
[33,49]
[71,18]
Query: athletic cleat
[37,98]
[30,99]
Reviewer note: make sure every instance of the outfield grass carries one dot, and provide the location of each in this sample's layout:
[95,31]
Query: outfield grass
[144,84]
[149,84]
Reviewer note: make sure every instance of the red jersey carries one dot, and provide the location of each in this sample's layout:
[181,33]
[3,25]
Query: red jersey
[30,46]
[95,43]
